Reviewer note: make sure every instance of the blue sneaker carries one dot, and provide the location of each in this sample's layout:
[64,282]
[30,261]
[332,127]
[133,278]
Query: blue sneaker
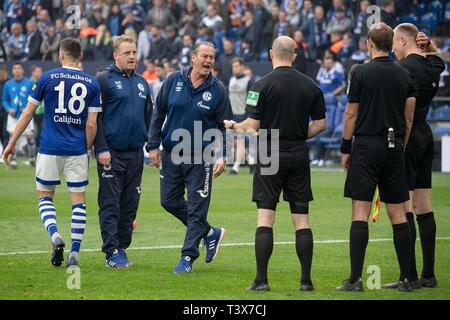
[184,266]
[116,260]
[212,243]
[124,256]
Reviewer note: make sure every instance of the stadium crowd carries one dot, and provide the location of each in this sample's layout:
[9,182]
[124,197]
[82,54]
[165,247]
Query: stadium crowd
[331,34]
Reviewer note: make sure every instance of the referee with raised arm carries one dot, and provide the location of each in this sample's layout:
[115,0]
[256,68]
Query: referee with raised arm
[379,114]
[426,67]
[283,100]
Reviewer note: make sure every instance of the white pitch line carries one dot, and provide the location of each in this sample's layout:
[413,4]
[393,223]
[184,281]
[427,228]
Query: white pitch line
[242,244]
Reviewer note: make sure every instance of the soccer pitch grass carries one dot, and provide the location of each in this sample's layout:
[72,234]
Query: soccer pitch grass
[26,271]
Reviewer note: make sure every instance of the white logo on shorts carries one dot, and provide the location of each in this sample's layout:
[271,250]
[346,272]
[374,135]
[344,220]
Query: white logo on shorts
[139,189]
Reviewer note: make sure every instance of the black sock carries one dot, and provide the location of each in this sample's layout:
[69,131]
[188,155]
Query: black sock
[304,248]
[427,231]
[412,231]
[359,237]
[263,251]
[402,243]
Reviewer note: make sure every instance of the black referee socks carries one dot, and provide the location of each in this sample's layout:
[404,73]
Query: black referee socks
[304,248]
[359,238]
[402,243]
[263,251]
[427,231]
[412,231]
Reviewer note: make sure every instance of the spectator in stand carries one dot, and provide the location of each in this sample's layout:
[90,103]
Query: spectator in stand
[143,43]
[97,18]
[50,45]
[347,48]
[247,30]
[339,23]
[337,6]
[175,44]
[306,14]
[16,43]
[263,28]
[190,19]
[34,40]
[301,49]
[44,21]
[283,27]
[134,15]
[114,20]
[337,42]
[186,51]
[159,46]
[13,12]
[361,21]
[293,13]
[246,51]
[157,84]
[316,33]
[388,13]
[175,8]
[150,72]
[212,17]
[87,39]
[160,14]
[362,54]
[103,44]
[225,62]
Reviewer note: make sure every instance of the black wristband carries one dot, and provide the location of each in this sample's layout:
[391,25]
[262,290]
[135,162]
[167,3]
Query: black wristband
[346,146]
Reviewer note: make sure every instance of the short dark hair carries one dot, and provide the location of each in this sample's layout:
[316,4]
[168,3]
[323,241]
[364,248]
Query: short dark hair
[381,35]
[72,48]
[17,64]
[34,67]
[238,60]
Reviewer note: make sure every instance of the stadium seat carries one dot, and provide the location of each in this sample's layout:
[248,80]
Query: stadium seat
[428,22]
[436,8]
[442,114]
[430,114]
[411,18]
[440,132]
[421,10]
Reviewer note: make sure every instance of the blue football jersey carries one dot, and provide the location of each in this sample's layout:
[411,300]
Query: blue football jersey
[68,94]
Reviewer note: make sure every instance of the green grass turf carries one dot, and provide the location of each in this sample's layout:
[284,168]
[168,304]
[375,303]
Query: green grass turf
[31,276]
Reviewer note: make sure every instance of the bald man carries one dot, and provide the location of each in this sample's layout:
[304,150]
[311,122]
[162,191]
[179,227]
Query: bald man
[426,67]
[284,100]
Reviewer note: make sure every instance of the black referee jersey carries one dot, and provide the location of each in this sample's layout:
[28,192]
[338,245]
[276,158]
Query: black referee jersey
[286,99]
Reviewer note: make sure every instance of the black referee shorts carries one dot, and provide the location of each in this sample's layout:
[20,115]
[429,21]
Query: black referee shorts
[293,178]
[372,164]
[419,157]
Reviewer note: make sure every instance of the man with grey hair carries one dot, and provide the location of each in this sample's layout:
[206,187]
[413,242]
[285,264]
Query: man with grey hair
[191,104]
[284,100]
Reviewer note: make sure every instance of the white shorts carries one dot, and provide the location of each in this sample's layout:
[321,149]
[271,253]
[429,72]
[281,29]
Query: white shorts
[49,168]
[12,124]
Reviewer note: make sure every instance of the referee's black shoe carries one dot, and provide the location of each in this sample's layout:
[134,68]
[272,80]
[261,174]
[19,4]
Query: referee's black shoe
[405,286]
[306,286]
[258,286]
[354,287]
[416,284]
[428,282]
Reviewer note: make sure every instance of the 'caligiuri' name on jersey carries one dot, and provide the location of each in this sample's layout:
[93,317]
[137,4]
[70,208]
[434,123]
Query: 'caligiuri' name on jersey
[68,94]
